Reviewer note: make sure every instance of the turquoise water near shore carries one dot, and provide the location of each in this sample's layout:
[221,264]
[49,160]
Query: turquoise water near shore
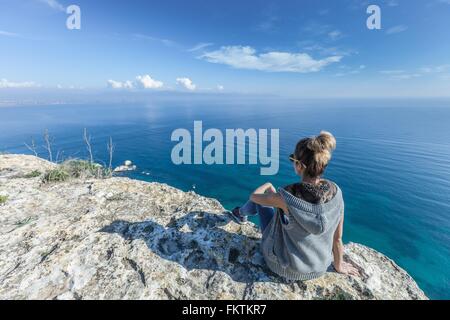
[392,160]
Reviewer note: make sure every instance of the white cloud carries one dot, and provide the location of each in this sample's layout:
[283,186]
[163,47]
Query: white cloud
[314,47]
[54,4]
[5,84]
[405,76]
[186,83]
[148,82]
[70,87]
[398,74]
[335,35]
[350,70]
[8,34]
[245,57]
[436,69]
[200,46]
[397,29]
[401,74]
[390,72]
[120,85]
[144,82]
[420,72]
[166,42]
[220,87]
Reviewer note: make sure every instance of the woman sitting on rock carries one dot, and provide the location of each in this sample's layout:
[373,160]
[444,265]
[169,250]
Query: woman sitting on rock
[302,224]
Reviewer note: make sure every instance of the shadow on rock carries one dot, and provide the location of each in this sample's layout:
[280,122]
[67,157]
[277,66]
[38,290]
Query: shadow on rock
[196,241]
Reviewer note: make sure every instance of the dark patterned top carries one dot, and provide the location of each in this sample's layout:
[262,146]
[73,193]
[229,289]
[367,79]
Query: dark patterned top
[313,193]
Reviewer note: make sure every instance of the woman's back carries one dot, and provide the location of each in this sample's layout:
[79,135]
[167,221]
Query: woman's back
[300,247]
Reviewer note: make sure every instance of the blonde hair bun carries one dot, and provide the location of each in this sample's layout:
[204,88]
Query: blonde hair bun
[327,140]
[315,152]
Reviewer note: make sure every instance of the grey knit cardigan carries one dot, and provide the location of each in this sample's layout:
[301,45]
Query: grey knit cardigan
[301,248]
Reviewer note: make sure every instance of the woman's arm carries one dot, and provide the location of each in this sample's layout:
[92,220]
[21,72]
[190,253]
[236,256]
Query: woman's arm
[338,252]
[266,195]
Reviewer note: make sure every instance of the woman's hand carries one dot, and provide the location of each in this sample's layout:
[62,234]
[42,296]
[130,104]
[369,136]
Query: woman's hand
[347,268]
[338,252]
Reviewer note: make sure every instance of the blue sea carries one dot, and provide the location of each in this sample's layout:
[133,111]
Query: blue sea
[392,160]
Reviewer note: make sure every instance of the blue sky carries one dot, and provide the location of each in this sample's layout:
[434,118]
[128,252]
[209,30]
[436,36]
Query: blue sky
[310,48]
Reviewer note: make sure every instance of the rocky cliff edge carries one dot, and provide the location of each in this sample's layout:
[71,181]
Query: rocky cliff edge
[118,238]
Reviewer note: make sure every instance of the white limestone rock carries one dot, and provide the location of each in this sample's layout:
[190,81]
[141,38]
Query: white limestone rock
[124,239]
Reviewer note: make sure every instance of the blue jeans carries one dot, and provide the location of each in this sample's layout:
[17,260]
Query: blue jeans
[265,214]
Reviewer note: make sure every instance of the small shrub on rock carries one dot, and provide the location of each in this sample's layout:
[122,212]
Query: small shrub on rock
[3,199]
